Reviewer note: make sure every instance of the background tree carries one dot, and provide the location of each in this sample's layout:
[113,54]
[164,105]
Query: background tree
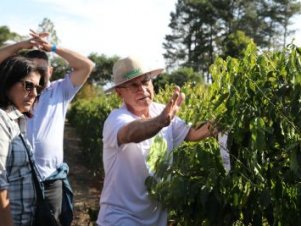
[200,28]
[100,76]
[178,77]
[235,44]
[191,41]
[102,72]
[7,35]
[48,26]
[60,67]
[285,10]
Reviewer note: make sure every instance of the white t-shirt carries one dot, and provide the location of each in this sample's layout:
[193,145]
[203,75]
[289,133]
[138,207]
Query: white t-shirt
[124,199]
[45,130]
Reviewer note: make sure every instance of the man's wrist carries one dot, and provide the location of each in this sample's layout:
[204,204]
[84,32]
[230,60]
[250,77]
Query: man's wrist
[161,121]
[53,48]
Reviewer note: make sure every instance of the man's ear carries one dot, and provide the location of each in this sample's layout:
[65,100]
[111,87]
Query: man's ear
[117,90]
[50,70]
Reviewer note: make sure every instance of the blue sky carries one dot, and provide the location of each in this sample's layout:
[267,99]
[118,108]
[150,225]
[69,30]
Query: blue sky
[110,27]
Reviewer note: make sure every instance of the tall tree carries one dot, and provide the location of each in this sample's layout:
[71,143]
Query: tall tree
[282,11]
[6,35]
[102,72]
[201,27]
[60,67]
[48,26]
[193,30]
[235,44]
[178,77]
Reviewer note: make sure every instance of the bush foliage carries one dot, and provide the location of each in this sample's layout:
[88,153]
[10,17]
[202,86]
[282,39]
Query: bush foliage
[88,116]
[257,101]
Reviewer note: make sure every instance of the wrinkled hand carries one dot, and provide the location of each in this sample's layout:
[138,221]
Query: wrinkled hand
[39,40]
[204,130]
[172,107]
[211,128]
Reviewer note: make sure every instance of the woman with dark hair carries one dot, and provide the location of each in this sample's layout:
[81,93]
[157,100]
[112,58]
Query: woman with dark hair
[21,81]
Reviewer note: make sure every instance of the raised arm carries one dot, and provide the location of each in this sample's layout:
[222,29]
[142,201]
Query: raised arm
[143,129]
[13,49]
[81,65]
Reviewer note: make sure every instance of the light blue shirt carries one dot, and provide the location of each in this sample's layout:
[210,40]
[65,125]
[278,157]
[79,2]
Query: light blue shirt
[45,130]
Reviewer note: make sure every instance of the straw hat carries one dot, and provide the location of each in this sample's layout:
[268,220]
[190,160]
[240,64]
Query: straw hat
[127,69]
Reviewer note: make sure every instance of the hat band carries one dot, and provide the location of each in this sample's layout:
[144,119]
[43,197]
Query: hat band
[132,73]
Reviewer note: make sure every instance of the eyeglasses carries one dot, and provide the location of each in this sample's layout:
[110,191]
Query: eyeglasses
[29,87]
[135,86]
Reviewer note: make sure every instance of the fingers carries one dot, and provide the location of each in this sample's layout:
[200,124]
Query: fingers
[178,97]
[41,34]
[172,106]
[38,40]
[36,43]
[174,97]
[40,37]
[33,43]
[213,131]
[177,89]
[181,99]
[176,100]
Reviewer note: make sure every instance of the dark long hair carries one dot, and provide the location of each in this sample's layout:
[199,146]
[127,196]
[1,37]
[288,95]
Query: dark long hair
[13,70]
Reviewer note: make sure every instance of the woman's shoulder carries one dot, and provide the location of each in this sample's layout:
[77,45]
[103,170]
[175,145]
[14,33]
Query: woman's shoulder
[6,127]
[3,115]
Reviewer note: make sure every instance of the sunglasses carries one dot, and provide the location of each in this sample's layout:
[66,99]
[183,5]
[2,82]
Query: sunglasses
[135,86]
[29,87]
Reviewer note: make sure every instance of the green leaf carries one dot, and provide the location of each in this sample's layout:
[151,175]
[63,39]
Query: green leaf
[157,152]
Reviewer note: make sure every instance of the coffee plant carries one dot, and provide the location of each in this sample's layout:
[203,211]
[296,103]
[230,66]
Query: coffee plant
[88,116]
[256,100]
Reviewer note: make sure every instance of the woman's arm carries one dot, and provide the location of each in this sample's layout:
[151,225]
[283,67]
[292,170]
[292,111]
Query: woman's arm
[5,214]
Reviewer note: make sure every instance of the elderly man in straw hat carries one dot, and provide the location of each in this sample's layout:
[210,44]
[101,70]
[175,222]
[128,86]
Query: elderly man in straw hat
[128,134]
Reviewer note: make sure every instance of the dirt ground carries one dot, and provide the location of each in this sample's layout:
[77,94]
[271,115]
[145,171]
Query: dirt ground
[86,187]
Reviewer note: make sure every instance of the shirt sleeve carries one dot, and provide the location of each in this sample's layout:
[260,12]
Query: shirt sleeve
[66,87]
[179,131]
[116,120]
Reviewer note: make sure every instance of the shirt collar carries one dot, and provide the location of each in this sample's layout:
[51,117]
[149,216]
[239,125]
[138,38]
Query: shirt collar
[14,114]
